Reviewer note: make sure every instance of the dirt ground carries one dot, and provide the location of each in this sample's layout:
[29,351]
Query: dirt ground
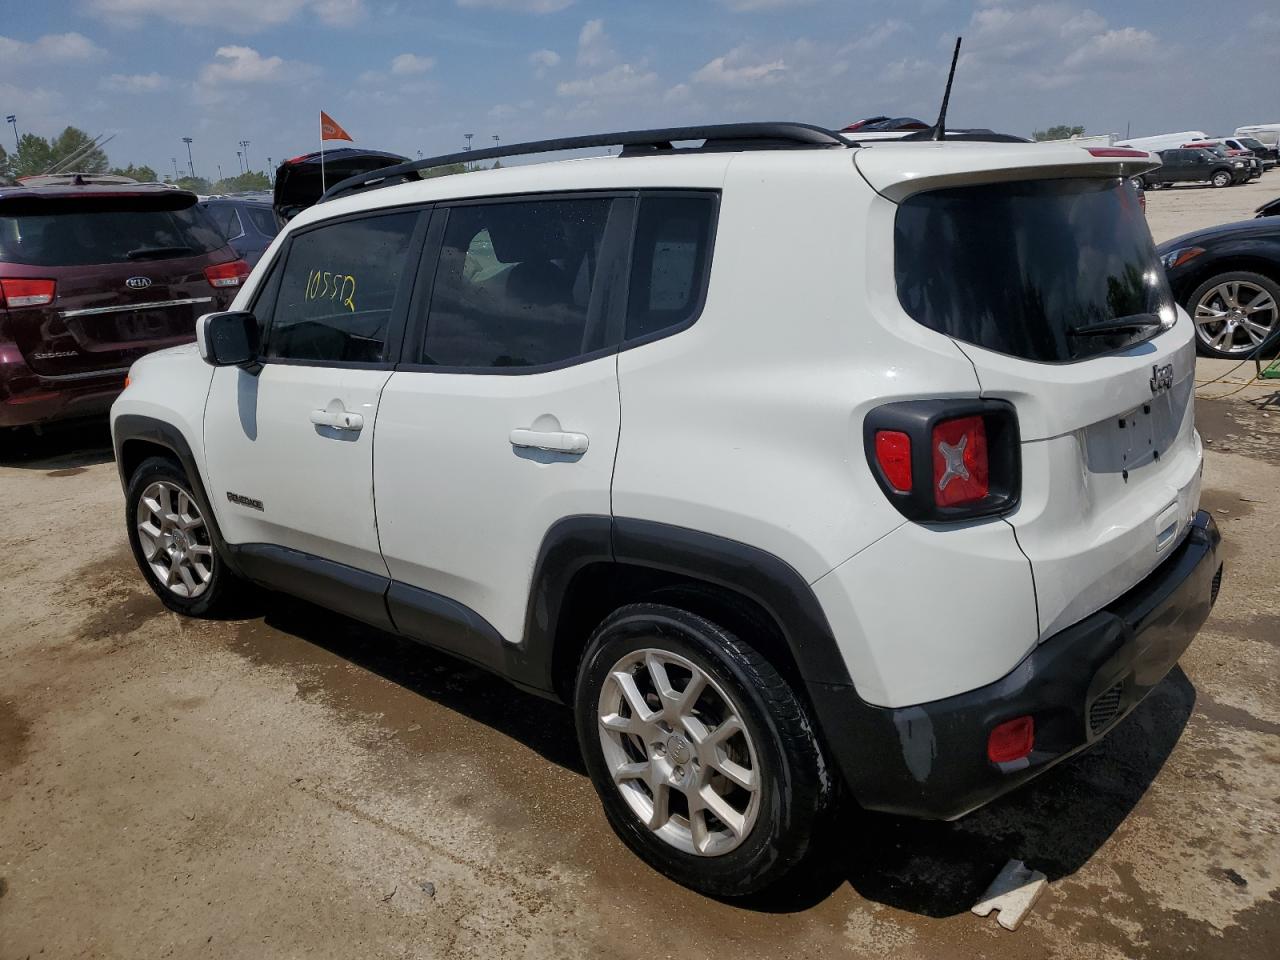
[296,785]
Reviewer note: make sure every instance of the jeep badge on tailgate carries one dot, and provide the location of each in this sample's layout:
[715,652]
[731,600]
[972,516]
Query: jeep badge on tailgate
[1161,378]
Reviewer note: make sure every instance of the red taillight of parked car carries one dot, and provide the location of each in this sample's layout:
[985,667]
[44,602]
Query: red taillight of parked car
[893,453]
[227,274]
[27,293]
[961,473]
[946,460]
[1011,740]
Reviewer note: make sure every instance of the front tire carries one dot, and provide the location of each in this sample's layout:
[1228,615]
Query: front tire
[704,758]
[173,543]
[1221,179]
[1235,313]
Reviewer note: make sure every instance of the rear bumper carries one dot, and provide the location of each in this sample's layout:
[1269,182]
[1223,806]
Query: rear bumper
[930,760]
[27,398]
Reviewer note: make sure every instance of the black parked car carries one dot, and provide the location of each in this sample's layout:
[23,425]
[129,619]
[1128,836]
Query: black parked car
[249,224]
[1195,166]
[1228,279]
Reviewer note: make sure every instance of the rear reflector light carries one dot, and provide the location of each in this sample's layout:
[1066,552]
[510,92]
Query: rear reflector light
[27,293]
[1118,152]
[227,274]
[961,473]
[893,453]
[1011,740]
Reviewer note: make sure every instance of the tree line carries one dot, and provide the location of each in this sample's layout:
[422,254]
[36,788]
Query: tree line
[36,155]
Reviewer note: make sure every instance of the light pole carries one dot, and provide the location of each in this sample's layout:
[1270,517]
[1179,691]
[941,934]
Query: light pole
[13,118]
[271,172]
[468,138]
[191,166]
[175,168]
[240,161]
[219,172]
[244,145]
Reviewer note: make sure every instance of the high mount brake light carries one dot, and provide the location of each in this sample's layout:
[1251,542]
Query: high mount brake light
[227,274]
[27,293]
[945,460]
[1118,152]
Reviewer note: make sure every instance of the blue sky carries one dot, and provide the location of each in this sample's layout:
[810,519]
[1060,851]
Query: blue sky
[410,76]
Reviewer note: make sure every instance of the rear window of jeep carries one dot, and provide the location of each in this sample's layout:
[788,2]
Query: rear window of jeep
[1046,270]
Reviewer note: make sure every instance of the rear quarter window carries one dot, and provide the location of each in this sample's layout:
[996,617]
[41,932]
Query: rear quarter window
[1026,268]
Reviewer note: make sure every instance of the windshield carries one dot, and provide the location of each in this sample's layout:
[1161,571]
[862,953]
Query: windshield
[1251,144]
[79,237]
[1048,270]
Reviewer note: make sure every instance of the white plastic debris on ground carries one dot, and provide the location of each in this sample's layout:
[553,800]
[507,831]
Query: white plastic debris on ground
[1013,893]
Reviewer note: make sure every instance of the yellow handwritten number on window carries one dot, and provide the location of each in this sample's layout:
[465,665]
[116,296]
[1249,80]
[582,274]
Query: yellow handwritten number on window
[322,284]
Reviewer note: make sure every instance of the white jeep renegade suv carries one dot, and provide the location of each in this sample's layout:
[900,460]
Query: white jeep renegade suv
[791,465]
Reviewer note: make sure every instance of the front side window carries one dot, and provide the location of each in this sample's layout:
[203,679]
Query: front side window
[670,261]
[516,284]
[1048,270]
[338,290]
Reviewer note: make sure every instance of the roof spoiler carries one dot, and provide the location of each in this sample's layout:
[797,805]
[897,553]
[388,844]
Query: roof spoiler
[717,137]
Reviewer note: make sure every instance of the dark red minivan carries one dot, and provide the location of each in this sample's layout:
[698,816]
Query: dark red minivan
[93,276]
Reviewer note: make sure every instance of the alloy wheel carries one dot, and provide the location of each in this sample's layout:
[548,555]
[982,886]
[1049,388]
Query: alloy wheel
[1236,316]
[174,539]
[679,752]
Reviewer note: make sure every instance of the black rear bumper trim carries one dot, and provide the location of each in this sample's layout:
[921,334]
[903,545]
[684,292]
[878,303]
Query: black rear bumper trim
[930,760]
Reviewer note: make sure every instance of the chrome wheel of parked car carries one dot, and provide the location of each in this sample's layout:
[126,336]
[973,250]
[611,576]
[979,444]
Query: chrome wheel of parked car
[1235,316]
[174,539]
[680,753]
[1221,179]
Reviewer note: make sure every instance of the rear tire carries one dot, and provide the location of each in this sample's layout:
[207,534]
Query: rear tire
[705,761]
[174,544]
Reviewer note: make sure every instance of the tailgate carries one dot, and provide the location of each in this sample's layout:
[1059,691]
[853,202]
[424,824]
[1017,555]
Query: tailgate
[1053,290]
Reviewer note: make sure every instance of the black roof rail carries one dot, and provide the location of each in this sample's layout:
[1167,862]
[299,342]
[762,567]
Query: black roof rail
[717,137]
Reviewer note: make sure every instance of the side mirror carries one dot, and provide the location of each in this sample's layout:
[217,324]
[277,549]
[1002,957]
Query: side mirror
[228,339]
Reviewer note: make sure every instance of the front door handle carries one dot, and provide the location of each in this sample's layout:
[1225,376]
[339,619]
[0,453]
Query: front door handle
[553,441]
[337,417]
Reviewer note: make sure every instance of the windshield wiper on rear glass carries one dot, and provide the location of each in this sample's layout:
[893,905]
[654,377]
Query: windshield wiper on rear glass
[147,253]
[1135,321]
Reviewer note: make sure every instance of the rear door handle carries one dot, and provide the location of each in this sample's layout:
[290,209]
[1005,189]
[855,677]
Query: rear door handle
[554,441]
[335,416]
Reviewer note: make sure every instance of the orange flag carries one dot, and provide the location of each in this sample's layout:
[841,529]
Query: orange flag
[329,129]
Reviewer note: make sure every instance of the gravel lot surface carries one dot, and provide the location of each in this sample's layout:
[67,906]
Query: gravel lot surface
[298,786]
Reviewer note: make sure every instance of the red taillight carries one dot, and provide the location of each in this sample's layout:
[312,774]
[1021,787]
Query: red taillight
[961,473]
[227,274]
[1011,740]
[27,293]
[893,453]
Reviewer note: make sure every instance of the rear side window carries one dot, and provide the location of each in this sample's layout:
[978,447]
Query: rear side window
[1028,268]
[516,284]
[226,219]
[85,236]
[338,290]
[263,220]
[670,262]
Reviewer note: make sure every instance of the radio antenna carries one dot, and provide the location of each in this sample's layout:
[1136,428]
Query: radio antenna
[940,128]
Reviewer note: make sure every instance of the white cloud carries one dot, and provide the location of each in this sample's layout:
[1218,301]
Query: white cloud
[520,6]
[543,60]
[135,83]
[244,65]
[731,70]
[58,47]
[621,81]
[407,64]
[751,6]
[877,36]
[594,49]
[1125,46]
[242,15]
